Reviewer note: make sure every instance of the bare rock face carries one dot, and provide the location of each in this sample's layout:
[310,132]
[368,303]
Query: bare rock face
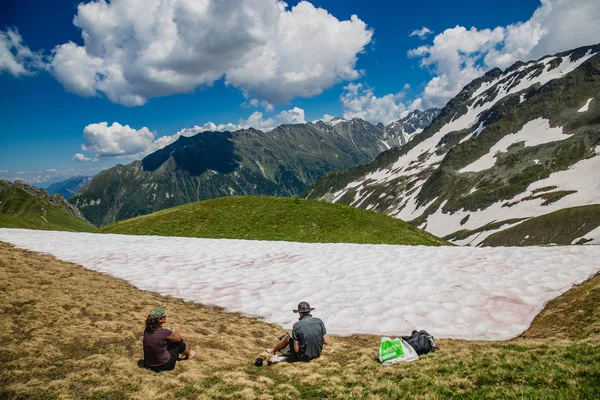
[410,126]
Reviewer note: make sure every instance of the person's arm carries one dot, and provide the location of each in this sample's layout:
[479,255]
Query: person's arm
[325,335]
[282,343]
[296,346]
[175,337]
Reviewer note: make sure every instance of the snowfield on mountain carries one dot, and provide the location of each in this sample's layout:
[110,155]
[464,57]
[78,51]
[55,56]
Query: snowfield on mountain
[452,292]
[512,146]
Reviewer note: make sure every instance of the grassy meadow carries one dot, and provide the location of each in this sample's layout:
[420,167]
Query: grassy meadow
[72,333]
[276,218]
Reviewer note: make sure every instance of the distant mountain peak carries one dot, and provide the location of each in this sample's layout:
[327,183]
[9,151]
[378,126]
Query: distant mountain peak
[411,125]
[68,187]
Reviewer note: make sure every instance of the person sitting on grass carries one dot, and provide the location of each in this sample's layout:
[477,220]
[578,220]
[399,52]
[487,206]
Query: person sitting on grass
[162,347]
[307,338]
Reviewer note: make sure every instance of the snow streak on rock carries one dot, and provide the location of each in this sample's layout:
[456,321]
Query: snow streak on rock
[586,106]
[533,133]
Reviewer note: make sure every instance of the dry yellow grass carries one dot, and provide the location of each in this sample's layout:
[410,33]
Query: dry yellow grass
[72,333]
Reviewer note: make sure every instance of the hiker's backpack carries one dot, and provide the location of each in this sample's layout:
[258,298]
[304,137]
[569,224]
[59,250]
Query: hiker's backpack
[421,341]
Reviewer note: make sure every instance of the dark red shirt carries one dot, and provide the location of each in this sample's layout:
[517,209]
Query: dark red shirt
[155,347]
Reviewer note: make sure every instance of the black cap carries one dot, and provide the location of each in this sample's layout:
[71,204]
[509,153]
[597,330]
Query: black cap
[303,307]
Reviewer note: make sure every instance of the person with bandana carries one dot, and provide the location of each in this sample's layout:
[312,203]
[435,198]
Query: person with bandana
[163,347]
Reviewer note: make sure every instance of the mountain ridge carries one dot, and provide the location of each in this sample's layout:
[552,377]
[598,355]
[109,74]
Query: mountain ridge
[502,133]
[281,162]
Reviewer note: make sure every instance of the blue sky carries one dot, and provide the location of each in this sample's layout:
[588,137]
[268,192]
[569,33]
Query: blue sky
[117,93]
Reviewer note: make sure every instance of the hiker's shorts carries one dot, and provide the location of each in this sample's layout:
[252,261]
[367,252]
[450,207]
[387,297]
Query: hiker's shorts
[174,349]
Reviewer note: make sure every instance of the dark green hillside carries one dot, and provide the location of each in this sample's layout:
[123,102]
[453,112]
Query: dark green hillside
[275,218]
[22,206]
[560,227]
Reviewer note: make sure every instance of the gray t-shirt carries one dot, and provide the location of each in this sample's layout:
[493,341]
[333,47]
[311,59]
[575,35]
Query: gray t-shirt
[309,333]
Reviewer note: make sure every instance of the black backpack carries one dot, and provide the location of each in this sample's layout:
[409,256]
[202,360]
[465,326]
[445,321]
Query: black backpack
[421,341]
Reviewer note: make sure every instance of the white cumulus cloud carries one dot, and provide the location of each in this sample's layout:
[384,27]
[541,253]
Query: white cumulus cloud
[15,57]
[81,158]
[421,33]
[103,140]
[359,101]
[138,49]
[256,120]
[459,55]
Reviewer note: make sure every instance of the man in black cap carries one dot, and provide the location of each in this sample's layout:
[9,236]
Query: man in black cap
[307,338]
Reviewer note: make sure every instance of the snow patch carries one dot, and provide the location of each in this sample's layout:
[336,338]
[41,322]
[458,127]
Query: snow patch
[581,177]
[594,235]
[385,144]
[336,121]
[482,293]
[533,133]
[475,133]
[586,106]
[478,238]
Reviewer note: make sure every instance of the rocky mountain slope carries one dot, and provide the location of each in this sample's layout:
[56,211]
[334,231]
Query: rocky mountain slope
[407,128]
[282,162]
[512,146]
[68,187]
[26,206]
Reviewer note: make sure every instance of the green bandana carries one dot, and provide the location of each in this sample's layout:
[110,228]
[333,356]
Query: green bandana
[157,312]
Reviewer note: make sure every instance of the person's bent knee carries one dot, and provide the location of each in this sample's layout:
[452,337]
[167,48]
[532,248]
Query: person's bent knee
[182,347]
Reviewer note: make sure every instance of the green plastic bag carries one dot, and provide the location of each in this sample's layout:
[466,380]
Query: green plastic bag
[390,349]
[394,351]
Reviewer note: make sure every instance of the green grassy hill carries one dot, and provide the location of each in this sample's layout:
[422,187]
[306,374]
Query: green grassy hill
[22,206]
[276,218]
